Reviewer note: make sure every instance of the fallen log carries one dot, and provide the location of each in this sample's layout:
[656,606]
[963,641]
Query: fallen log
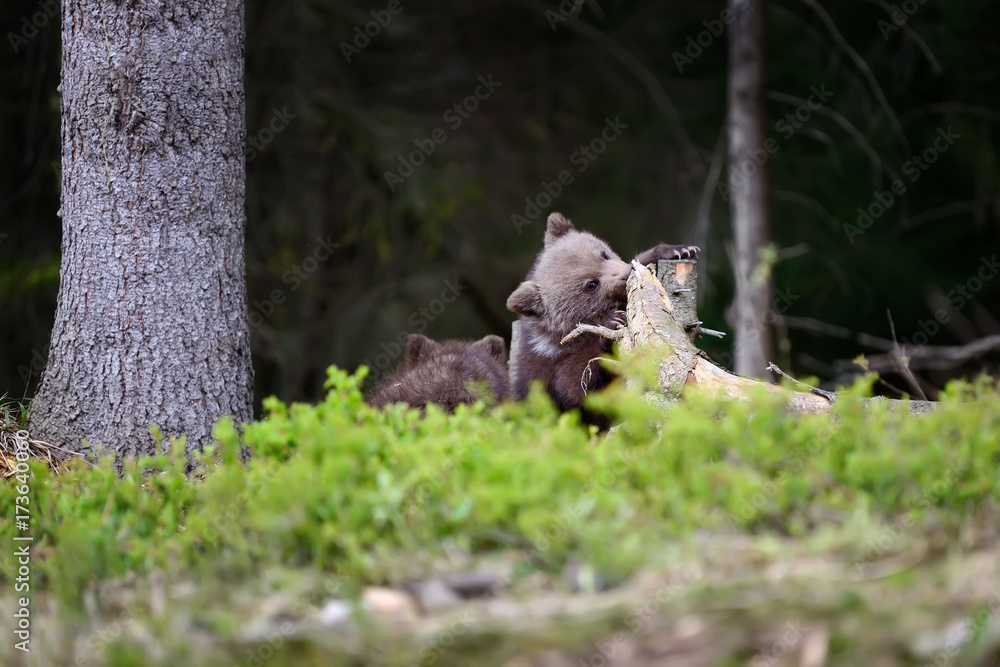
[661,324]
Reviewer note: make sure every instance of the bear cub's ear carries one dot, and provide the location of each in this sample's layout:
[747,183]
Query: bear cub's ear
[493,346]
[526,300]
[557,227]
[417,346]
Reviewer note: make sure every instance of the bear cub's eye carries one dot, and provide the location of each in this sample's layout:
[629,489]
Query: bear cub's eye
[591,286]
[605,255]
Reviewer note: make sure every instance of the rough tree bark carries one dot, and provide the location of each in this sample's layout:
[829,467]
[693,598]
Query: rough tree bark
[749,189]
[151,321]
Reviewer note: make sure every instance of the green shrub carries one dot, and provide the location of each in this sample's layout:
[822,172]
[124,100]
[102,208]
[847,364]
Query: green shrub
[373,495]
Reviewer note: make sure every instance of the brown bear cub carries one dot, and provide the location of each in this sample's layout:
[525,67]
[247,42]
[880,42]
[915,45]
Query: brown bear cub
[446,373]
[576,279]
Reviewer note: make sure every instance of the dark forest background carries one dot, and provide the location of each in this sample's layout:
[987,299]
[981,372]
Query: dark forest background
[322,133]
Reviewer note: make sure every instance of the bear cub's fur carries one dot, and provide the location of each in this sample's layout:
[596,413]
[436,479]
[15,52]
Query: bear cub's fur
[576,279]
[446,373]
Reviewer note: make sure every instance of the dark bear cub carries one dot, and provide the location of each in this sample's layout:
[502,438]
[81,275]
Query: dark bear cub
[576,279]
[446,373]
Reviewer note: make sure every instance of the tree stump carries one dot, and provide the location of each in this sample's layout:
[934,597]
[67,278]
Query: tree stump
[679,278]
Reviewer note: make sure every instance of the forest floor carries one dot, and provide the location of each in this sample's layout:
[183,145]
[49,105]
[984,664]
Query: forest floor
[712,533]
[711,601]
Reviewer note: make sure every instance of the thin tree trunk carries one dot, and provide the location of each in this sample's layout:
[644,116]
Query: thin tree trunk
[749,186]
[151,321]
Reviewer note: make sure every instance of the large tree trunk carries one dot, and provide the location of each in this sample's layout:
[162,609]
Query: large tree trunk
[749,187]
[151,321]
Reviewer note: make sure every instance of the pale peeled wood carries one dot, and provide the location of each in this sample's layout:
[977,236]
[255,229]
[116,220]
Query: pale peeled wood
[653,329]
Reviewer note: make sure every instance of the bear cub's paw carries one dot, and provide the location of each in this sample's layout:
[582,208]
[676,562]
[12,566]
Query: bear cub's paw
[667,251]
[615,320]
